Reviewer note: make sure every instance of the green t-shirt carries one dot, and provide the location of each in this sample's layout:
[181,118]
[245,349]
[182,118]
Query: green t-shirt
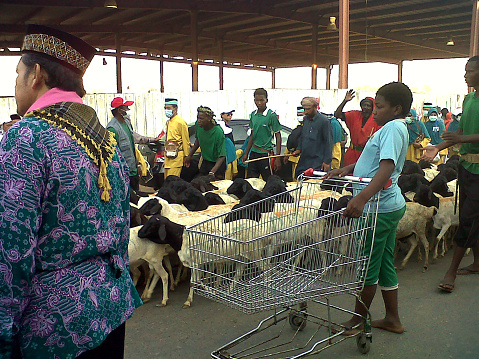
[124,126]
[212,142]
[469,125]
[264,127]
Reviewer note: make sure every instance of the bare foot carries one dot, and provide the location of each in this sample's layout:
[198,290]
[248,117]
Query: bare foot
[385,324]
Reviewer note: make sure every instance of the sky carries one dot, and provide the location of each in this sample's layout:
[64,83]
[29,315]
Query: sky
[422,76]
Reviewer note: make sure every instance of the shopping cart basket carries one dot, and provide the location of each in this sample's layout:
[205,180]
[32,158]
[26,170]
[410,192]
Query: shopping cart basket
[298,249]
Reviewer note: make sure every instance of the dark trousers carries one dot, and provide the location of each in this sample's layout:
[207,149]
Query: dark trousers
[207,166]
[257,168]
[113,347]
[467,234]
[135,182]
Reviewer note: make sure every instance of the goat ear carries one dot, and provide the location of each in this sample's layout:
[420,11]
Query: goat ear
[429,195]
[202,188]
[162,232]
[245,186]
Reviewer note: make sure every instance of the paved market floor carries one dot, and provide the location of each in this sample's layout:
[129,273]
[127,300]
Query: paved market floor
[438,325]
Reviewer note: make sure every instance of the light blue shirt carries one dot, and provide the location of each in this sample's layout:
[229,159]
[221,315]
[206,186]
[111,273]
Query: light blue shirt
[388,143]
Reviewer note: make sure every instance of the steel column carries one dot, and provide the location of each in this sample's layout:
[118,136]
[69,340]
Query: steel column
[473,45]
[194,46]
[220,45]
[343,43]
[314,65]
[162,79]
[119,87]
[273,78]
[328,77]
[400,71]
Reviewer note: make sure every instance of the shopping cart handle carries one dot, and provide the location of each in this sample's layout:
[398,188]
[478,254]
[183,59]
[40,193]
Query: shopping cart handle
[311,172]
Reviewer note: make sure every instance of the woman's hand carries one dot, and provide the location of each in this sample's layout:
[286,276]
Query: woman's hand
[187,161]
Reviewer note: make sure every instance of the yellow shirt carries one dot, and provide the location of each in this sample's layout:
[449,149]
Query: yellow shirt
[177,130]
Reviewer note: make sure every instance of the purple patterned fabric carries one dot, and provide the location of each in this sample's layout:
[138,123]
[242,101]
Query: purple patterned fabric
[64,278]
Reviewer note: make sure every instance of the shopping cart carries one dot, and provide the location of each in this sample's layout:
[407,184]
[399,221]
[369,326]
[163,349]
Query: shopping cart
[299,249]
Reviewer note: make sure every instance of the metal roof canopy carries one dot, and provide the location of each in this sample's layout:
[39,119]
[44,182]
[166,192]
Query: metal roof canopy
[254,34]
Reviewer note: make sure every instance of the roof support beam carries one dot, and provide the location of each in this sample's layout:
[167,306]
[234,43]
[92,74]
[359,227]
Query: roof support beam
[119,87]
[314,66]
[474,46]
[221,67]
[343,43]
[194,47]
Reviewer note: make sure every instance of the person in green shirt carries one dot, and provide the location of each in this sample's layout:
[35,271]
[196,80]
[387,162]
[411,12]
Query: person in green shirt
[264,126]
[467,134]
[211,139]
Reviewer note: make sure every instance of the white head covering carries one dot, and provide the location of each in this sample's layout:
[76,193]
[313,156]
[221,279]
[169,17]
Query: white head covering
[226,130]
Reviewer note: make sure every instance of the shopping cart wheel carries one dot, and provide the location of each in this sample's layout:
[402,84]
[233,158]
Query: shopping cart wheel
[297,320]
[364,343]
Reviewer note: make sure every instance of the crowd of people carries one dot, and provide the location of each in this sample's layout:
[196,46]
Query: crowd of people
[65,288]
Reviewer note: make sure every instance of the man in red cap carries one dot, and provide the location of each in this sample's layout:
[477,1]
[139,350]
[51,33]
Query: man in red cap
[361,126]
[126,138]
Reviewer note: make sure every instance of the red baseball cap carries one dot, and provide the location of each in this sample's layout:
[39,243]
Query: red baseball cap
[118,101]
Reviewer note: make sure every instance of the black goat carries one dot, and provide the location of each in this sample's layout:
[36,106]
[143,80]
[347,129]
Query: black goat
[425,164]
[151,207]
[409,183]
[426,197]
[439,186]
[192,199]
[203,183]
[449,172]
[253,196]
[213,198]
[237,212]
[239,187]
[411,167]
[136,217]
[167,194]
[161,230]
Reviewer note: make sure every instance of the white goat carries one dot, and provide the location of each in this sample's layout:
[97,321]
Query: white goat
[443,220]
[414,223]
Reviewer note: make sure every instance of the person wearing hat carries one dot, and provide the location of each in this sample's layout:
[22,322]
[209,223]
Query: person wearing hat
[435,127]
[177,144]
[65,287]
[361,126]
[211,139]
[316,141]
[224,124]
[120,126]
[418,136]
[287,171]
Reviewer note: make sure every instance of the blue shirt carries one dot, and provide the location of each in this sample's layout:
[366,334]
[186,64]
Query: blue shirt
[389,143]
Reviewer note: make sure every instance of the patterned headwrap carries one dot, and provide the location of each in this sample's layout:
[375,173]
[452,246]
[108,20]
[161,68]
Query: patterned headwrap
[66,49]
[207,111]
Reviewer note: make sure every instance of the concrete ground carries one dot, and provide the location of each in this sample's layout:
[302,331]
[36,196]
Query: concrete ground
[438,325]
